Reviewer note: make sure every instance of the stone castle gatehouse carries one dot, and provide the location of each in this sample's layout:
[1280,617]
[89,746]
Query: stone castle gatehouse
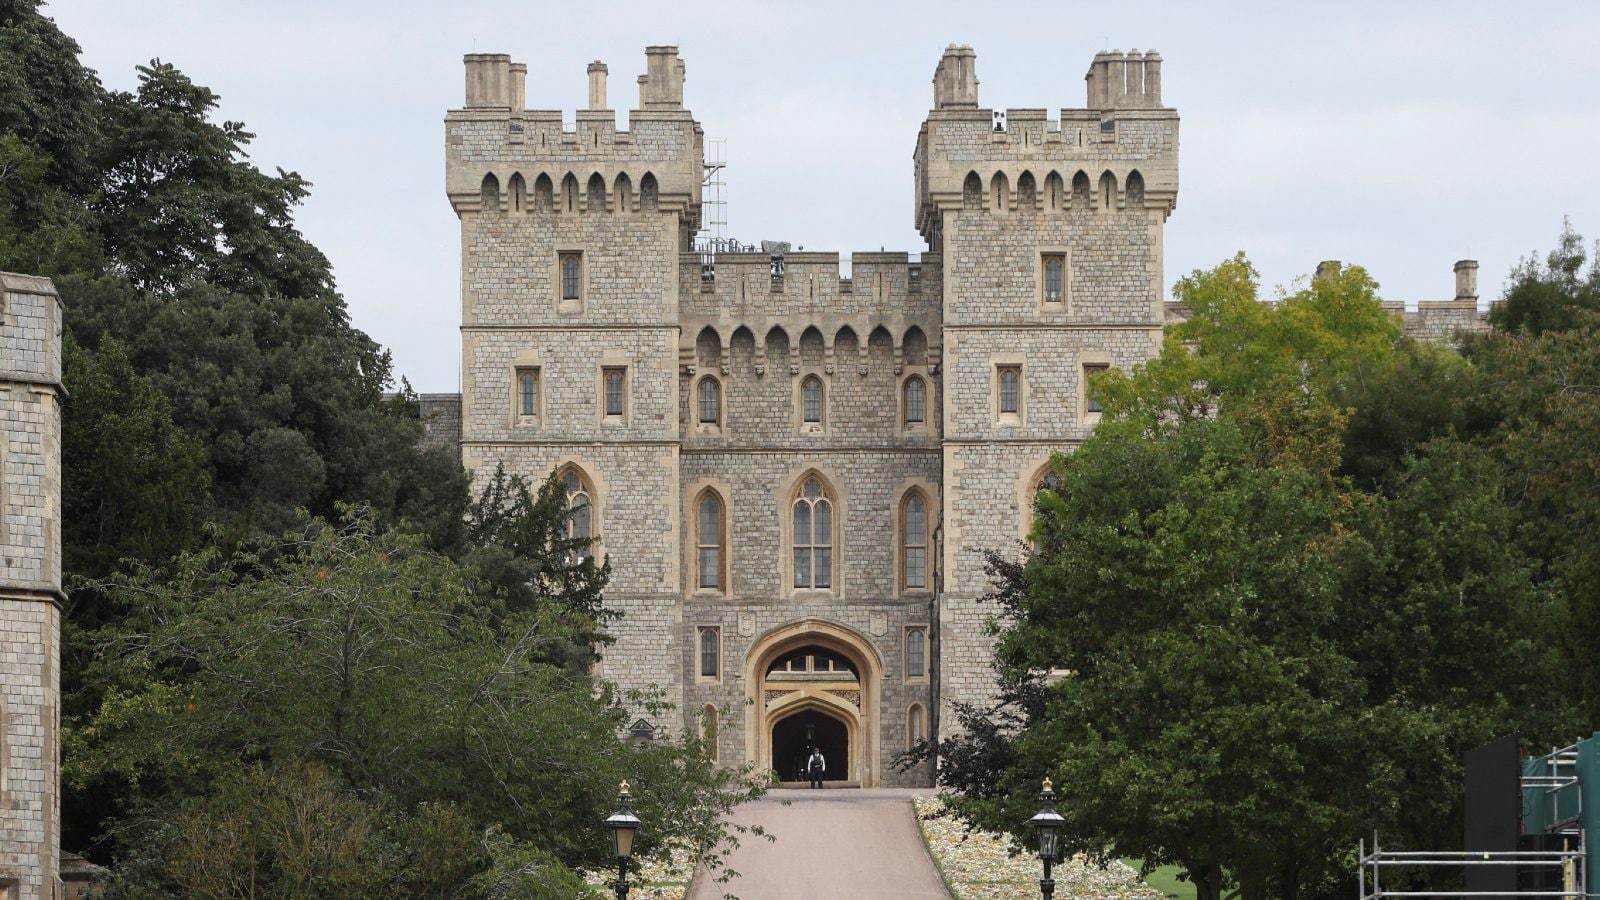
[792,472]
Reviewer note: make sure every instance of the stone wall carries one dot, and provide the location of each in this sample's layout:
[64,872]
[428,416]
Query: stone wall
[30,585]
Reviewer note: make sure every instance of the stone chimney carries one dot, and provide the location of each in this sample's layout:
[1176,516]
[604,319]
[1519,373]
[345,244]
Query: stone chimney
[519,86]
[662,85]
[1467,279]
[955,80]
[597,85]
[488,80]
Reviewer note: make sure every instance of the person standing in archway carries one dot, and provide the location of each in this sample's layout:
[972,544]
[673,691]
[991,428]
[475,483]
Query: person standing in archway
[816,765]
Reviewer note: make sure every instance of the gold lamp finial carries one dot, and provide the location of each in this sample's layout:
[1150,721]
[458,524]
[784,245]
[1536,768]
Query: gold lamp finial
[623,788]
[1047,785]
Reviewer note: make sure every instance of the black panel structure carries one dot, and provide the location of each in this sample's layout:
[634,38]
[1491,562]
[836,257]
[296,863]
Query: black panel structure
[1493,811]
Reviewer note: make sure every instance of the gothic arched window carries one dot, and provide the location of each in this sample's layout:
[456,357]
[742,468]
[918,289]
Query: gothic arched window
[709,542]
[710,401]
[811,397]
[916,401]
[580,509]
[916,729]
[914,542]
[708,730]
[813,537]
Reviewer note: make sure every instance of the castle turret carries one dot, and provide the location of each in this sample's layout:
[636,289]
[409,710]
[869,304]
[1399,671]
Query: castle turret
[1049,233]
[571,242]
[30,586]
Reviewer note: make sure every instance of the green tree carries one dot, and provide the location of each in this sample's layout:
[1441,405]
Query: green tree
[393,668]
[1263,661]
[1558,294]
[521,543]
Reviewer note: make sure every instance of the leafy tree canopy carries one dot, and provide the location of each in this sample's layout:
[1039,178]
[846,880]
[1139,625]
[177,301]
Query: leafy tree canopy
[1256,661]
[385,693]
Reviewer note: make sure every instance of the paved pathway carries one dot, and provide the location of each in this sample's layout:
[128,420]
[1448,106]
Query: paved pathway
[838,844]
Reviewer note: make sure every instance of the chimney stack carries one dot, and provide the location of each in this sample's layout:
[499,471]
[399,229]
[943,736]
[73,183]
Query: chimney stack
[488,80]
[597,85]
[662,85]
[955,80]
[1467,279]
[519,86]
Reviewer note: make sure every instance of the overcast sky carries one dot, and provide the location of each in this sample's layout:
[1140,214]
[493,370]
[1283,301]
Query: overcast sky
[1401,136]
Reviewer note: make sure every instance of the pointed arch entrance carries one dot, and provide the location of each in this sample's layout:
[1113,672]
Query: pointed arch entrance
[814,683]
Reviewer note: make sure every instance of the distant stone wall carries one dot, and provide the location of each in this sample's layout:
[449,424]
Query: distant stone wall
[441,421]
[30,586]
[1440,321]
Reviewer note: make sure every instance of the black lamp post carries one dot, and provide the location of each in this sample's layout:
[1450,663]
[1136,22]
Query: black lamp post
[623,824]
[1047,825]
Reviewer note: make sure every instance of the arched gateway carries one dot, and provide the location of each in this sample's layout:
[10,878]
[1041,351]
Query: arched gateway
[814,684]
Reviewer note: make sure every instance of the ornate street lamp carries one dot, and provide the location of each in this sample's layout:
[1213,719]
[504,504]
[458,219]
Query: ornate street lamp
[1047,825]
[623,824]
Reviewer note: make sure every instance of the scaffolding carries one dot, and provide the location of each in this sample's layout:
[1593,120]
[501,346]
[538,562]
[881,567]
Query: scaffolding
[1564,867]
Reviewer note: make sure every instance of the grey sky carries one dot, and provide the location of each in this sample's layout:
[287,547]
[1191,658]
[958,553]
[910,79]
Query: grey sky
[1402,136]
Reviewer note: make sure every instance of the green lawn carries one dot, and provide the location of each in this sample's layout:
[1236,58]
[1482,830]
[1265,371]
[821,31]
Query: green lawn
[1165,880]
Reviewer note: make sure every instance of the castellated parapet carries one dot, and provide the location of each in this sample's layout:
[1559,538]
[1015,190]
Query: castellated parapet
[30,586]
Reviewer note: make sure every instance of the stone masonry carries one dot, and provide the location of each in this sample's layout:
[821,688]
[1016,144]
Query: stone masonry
[1043,262]
[30,587]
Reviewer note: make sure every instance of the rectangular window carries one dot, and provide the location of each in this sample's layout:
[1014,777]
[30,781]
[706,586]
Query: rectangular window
[571,276]
[1010,388]
[916,653]
[616,387]
[527,392]
[1055,267]
[710,652]
[1091,405]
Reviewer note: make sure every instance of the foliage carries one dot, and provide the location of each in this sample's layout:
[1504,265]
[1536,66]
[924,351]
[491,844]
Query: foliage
[521,544]
[365,654]
[1558,294]
[142,481]
[1263,660]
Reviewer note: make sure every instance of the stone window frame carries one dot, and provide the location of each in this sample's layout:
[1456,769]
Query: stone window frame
[570,305]
[930,511]
[916,725]
[916,373]
[803,427]
[701,632]
[1046,254]
[576,482]
[609,367]
[783,500]
[710,731]
[696,405]
[1032,478]
[519,413]
[718,494]
[1088,360]
[905,651]
[999,364]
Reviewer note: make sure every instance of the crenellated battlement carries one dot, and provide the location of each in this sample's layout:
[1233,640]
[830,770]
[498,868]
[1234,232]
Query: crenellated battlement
[501,156]
[795,291]
[1118,152]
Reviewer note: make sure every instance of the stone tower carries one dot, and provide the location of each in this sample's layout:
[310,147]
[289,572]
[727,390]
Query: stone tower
[30,587]
[1050,238]
[571,242]
[789,467]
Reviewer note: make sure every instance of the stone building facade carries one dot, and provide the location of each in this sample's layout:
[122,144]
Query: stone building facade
[793,472]
[30,587]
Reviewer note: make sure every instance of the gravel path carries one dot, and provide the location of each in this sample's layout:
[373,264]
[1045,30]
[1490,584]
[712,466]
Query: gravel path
[832,845]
